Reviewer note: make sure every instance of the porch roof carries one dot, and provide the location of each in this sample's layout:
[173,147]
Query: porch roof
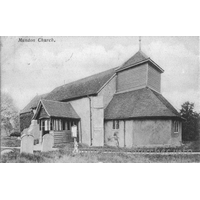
[57,109]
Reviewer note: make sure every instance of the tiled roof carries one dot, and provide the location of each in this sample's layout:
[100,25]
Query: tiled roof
[83,87]
[59,109]
[33,103]
[142,103]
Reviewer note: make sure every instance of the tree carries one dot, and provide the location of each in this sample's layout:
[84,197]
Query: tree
[190,131]
[9,114]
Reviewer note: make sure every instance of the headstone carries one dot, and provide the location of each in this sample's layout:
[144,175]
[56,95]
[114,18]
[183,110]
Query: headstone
[34,129]
[47,143]
[27,144]
[74,131]
[25,131]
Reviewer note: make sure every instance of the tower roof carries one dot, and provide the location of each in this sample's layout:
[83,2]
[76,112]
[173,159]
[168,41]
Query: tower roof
[136,59]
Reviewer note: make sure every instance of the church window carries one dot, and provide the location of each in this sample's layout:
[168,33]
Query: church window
[115,124]
[176,126]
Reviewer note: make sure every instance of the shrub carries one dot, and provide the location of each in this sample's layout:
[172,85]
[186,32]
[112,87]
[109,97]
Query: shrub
[15,134]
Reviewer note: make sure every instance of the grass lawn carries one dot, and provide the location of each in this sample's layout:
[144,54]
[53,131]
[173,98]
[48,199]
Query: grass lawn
[65,156]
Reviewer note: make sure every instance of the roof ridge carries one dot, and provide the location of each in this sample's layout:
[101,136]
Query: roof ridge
[82,87]
[131,90]
[134,63]
[53,101]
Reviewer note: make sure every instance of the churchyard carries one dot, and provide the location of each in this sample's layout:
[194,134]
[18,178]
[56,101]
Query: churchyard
[64,154]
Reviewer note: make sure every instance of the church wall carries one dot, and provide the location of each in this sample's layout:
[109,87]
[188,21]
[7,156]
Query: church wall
[82,108]
[128,133]
[108,91]
[151,132]
[110,139]
[143,133]
[97,109]
[155,133]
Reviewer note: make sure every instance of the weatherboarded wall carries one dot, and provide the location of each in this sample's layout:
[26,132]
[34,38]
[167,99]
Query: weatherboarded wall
[140,133]
[61,137]
[154,79]
[132,78]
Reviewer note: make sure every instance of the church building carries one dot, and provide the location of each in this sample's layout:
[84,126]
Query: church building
[121,107]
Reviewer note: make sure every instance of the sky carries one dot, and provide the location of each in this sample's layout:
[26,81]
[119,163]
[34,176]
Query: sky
[33,68]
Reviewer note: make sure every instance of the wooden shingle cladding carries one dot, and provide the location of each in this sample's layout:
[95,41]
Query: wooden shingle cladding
[154,78]
[132,78]
[62,137]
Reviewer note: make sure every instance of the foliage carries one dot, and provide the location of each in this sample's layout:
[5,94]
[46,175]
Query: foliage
[190,131]
[10,142]
[25,120]
[15,134]
[9,114]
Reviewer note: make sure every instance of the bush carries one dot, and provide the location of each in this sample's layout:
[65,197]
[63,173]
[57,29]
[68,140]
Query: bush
[191,124]
[15,134]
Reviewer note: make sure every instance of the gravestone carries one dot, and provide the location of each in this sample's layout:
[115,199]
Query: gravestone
[25,131]
[47,142]
[27,144]
[34,129]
